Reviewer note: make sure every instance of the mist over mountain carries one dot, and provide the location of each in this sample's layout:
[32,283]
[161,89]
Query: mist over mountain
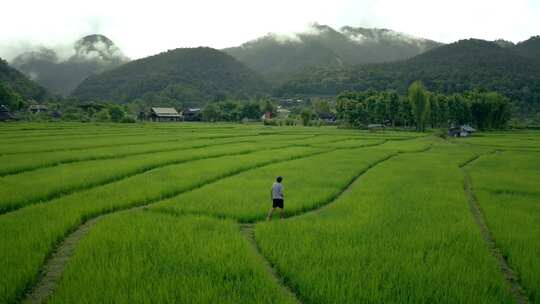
[189,76]
[90,55]
[452,68]
[19,83]
[279,56]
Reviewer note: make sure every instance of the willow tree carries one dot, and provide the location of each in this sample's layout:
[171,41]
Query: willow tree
[419,99]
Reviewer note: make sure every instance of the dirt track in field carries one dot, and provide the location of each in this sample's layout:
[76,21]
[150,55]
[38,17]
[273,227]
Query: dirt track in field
[512,280]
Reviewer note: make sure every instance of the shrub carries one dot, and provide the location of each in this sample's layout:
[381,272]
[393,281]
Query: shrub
[128,119]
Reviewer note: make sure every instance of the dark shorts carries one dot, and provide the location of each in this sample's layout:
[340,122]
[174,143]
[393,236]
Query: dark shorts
[278,203]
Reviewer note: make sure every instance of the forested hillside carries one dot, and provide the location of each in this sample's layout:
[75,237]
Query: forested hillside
[530,48]
[453,68]
[182,76]
[20,84]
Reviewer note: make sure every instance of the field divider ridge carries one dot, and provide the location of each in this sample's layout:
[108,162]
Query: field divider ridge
[512,280]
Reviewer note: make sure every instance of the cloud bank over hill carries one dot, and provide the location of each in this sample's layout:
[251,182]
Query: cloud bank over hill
[142,28]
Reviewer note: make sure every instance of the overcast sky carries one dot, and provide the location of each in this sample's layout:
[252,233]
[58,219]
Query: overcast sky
[141,28]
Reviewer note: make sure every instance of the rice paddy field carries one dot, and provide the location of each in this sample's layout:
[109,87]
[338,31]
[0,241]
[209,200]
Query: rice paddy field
[176,213]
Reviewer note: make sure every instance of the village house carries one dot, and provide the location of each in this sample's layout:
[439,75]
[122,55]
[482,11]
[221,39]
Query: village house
[165,114]
[38,108]
[5,114]
[192,114]
[461,131]
[328,117]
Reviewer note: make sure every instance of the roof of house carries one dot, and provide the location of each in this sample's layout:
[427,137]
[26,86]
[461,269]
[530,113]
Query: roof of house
[463,128]
[38,107]
[468,128]
[3,108]
[166,112]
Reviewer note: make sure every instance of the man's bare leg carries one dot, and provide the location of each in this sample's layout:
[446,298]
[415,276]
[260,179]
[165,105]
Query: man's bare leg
[281,213]
[270,214]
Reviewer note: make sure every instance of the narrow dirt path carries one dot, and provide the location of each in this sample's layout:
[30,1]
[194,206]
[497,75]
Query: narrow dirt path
[512,280]
[55,265]
[248,230]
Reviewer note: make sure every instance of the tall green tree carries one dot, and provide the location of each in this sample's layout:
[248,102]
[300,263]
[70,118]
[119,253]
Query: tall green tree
[306,116]
[419,99]
[210,112]
[10,98]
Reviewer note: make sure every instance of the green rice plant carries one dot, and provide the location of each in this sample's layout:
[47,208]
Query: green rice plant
[45,184]
[506,188]
[17,163]
[311,181]
[403,233]
[147,257]
[352,143]
[28,235]
[413,145]
[111,141]
[527,141]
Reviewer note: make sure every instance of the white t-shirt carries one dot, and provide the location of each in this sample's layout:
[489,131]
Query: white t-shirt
[277,191]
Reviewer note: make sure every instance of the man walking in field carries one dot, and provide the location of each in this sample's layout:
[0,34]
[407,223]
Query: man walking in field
[277,198]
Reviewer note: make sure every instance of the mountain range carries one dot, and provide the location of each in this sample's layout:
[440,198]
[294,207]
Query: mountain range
[277,56]
[320,61]
[452,68]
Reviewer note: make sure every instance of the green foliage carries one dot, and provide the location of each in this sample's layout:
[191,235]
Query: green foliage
[128,119]
[234,111]
[419,99]
[116,113]
[103,116]
[210,112]
[306,115]
[485,110]
[10,98]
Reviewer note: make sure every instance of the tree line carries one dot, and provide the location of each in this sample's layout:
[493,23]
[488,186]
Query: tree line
[422,109]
